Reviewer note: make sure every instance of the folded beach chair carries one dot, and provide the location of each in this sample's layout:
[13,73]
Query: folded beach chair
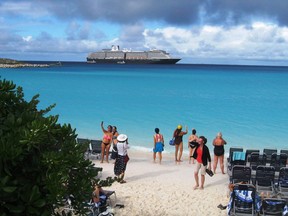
[273,206]
[264,181]
[242,200]
[241,174]
[269,153]
[283,182]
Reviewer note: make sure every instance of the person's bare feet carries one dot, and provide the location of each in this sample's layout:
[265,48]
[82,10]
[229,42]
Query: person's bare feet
[195,187]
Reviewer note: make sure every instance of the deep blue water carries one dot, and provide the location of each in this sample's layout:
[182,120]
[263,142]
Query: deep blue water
[249,105]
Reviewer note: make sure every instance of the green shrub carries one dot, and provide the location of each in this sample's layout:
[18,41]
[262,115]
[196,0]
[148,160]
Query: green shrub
[40,161]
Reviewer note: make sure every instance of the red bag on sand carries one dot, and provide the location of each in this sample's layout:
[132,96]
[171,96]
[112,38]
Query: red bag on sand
[126,159]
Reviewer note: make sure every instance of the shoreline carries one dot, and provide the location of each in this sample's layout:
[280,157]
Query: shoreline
[166,189]
[22,65]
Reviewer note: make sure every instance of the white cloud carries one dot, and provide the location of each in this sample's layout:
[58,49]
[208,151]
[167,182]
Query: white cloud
[261,41]
[27,39]
[25,8]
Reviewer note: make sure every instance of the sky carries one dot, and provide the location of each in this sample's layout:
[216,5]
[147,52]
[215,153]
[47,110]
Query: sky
[251,32]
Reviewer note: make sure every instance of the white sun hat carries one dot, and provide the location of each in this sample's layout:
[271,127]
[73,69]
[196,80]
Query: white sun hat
[122,137]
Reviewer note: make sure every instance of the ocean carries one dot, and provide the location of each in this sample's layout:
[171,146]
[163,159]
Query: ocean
[248,104]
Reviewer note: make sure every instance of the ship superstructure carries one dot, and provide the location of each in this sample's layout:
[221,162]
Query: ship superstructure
[125,56]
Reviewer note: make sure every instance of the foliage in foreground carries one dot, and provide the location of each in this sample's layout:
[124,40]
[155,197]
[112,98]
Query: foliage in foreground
[40,161]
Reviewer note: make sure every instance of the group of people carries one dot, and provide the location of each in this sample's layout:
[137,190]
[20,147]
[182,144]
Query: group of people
[119,150]
[197,151]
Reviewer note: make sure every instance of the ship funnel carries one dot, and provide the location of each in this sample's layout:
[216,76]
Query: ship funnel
[115,48]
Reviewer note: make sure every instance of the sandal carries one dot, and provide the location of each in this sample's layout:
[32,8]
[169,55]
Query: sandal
[119,205]
[122,182]
[221,207]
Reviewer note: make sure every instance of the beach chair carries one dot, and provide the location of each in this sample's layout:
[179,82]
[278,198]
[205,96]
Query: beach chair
[269,153]
[248,154]
[283,159]
[99,209]
[286,152]
[241,174]
[257,160]
[274,161]
[264,180]
[238,158]
[231,150]
[283,182]
[278,161]
[96,148]
[109,193]
[273,206]
[242,200]
[83,141]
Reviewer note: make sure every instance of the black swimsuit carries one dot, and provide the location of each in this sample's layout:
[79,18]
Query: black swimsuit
[178,139]
[219,150]
[193,144]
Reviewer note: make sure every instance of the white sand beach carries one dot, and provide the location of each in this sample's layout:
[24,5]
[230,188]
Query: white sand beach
[166,189]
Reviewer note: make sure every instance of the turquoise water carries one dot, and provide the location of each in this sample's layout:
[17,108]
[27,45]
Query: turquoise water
[249,105]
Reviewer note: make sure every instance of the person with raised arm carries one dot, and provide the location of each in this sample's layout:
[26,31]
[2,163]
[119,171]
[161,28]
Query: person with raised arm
[106,142]
[178,141]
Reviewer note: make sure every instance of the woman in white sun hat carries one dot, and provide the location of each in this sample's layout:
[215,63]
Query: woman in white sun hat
[122,158]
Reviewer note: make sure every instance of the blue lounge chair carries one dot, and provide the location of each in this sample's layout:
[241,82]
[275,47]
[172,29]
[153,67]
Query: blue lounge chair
[242,200]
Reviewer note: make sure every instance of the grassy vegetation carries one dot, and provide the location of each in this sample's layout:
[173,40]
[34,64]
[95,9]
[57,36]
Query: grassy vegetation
[9,61]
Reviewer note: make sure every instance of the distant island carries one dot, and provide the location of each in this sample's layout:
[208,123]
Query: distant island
[11,63]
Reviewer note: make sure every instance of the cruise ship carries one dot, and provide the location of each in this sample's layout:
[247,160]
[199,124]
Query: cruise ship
[125,56]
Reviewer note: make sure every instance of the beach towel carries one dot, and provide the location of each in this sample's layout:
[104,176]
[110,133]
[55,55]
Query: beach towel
[238,156]
[244,196]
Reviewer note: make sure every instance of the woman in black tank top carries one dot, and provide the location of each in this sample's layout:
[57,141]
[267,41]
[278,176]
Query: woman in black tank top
[178,135]
[219,143]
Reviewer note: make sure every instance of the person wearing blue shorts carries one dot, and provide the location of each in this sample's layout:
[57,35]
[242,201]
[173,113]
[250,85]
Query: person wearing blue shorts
[158,145]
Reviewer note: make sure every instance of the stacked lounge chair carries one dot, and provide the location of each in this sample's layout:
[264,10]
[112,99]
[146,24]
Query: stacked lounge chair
[267,170]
